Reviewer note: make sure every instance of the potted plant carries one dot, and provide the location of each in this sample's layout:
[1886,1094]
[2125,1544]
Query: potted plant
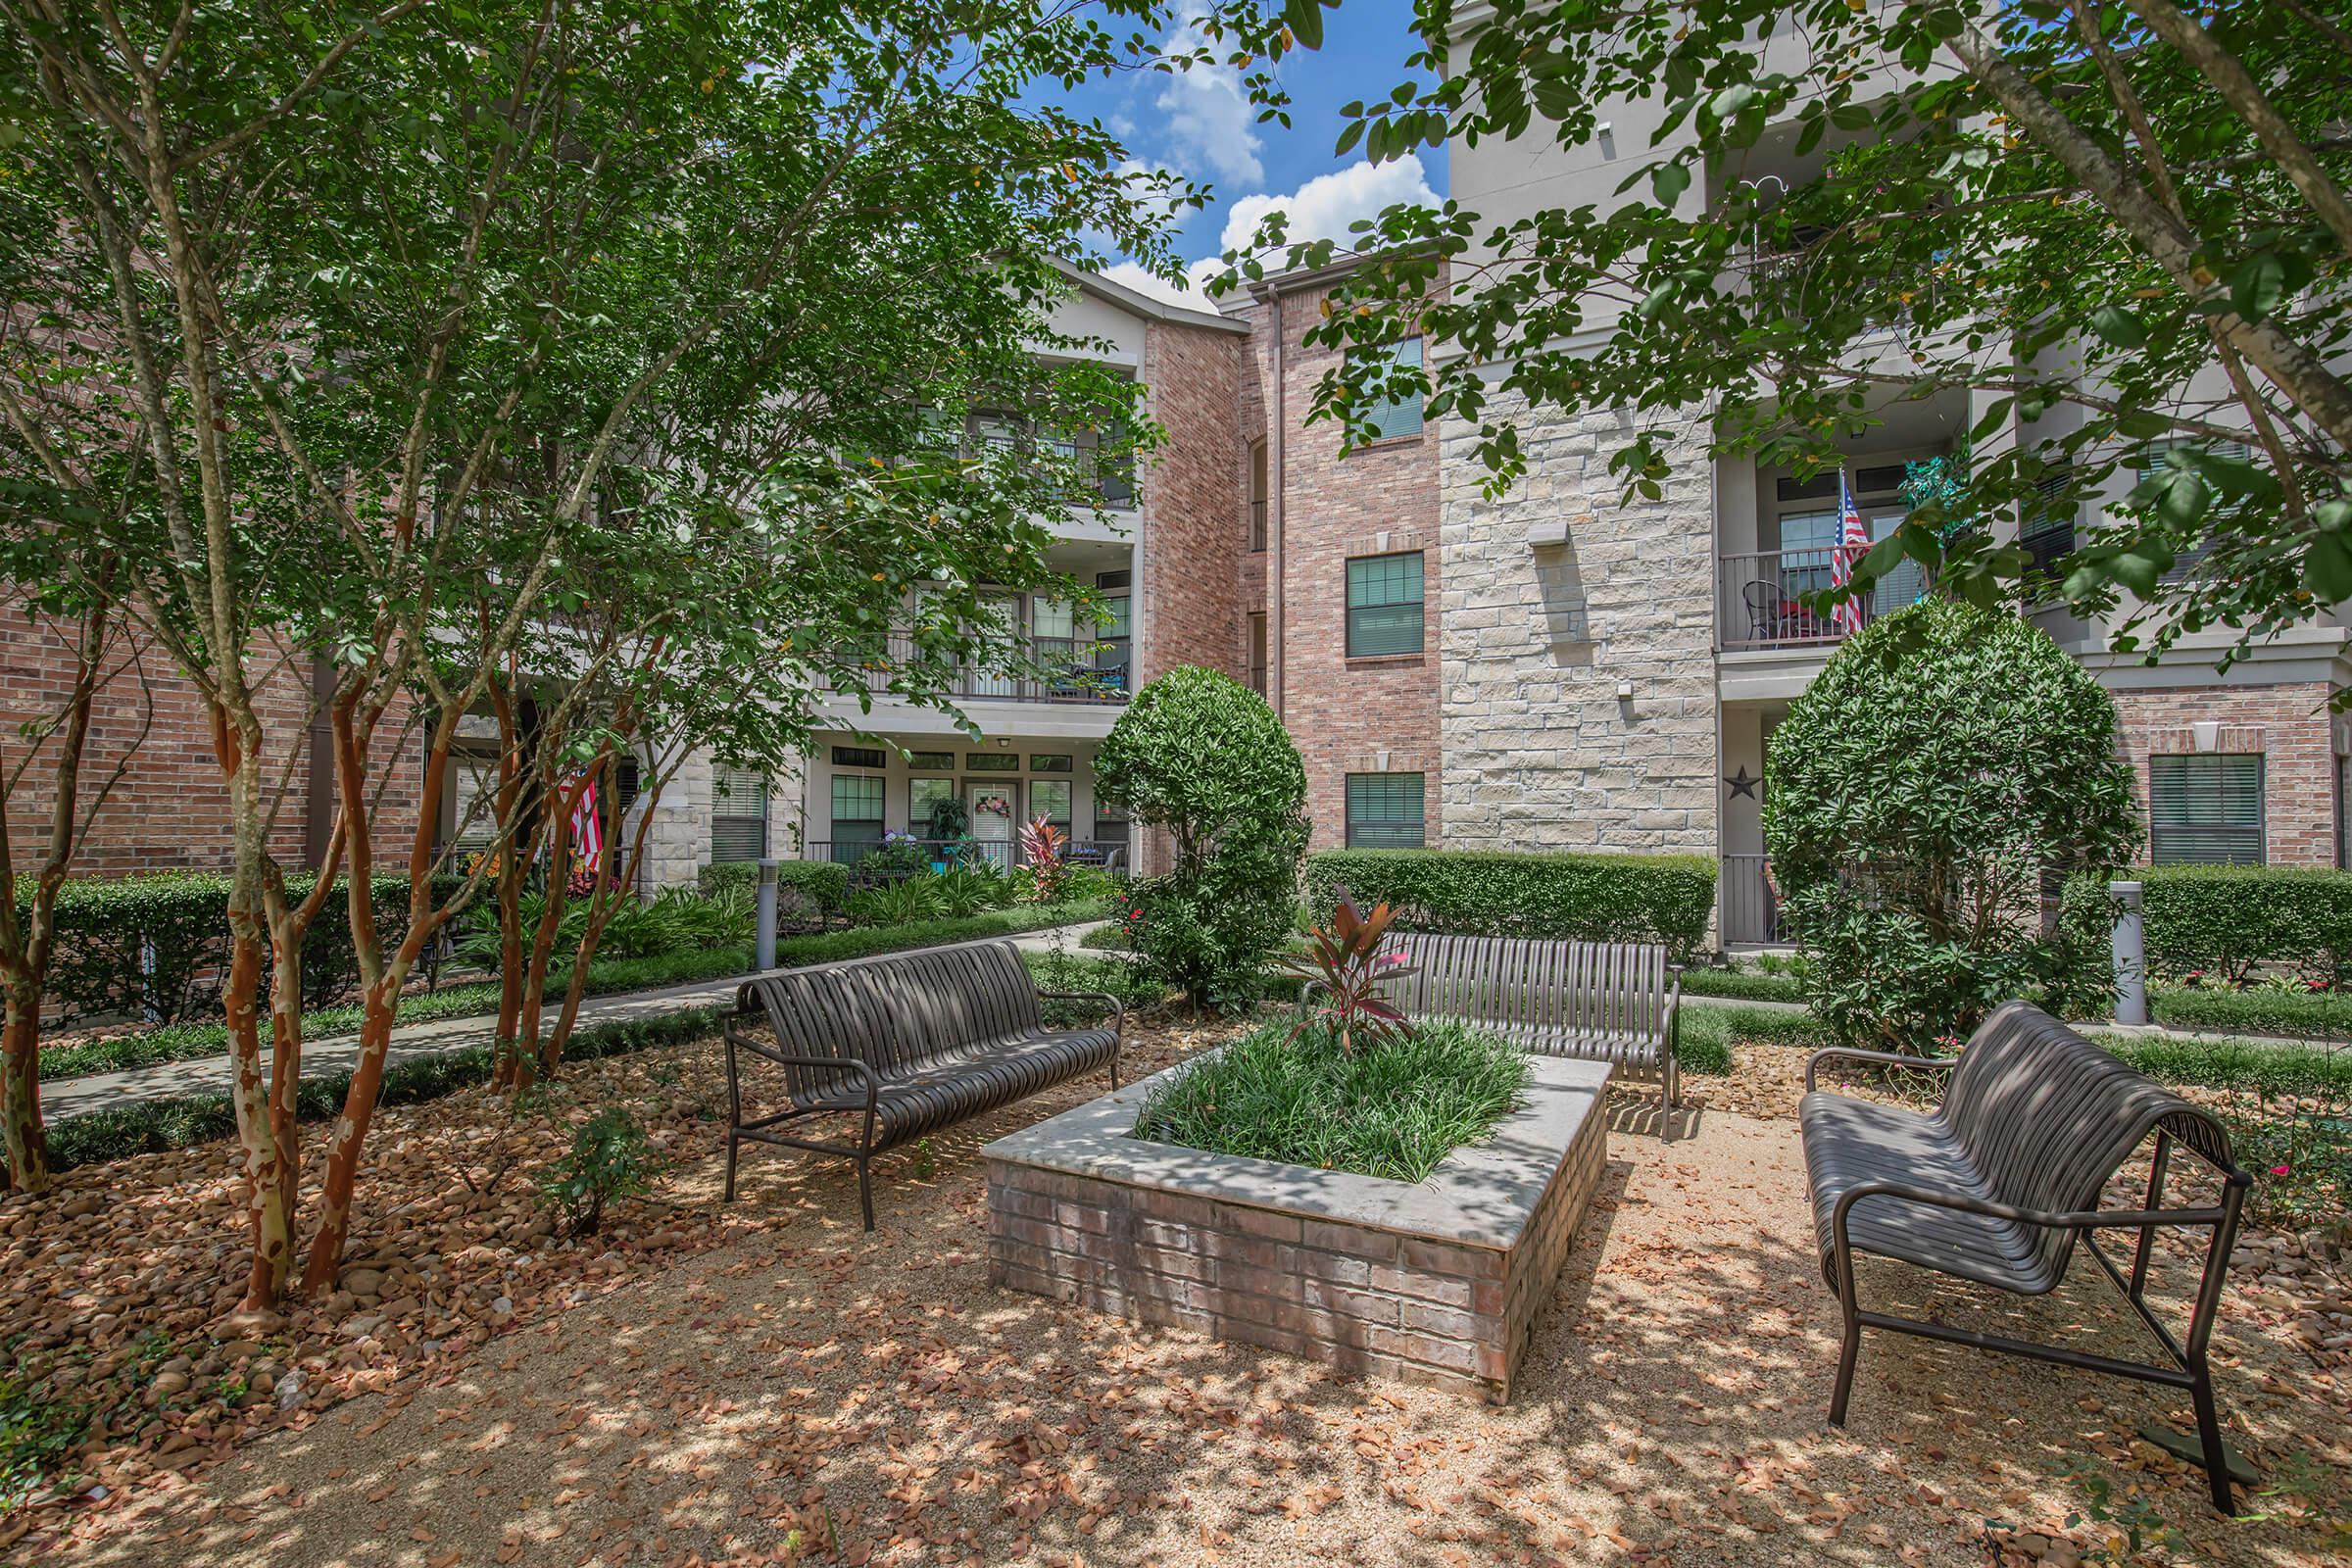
[948,826]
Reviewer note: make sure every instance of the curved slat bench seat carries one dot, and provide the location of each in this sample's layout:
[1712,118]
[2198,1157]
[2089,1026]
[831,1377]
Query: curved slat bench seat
[908,1043]
[2001,1182]
[1613,1001]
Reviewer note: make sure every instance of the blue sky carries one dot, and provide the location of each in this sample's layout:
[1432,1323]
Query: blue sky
[1201,124]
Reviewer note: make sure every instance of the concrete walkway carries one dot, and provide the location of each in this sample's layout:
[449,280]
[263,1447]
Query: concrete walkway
[64,1099]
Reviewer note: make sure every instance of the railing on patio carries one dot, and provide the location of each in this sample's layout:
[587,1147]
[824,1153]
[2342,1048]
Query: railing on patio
[1751,910]
[1760,601]
[1109,855]
[1071,669]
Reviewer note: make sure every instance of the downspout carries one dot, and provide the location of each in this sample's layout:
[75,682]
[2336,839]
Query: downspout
[1274,488]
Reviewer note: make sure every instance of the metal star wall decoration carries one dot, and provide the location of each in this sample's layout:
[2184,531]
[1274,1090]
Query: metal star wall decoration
[1742,783]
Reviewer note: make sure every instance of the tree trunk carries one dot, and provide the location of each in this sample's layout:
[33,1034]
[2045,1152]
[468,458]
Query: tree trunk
[269,1182]
[379,1006]
[28,1139]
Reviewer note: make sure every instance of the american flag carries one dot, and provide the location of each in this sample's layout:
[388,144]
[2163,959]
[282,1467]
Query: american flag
[1853,541]
[588,829]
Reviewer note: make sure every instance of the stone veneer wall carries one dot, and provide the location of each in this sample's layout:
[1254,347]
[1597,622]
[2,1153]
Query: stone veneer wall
[1540,752]
[2288,723]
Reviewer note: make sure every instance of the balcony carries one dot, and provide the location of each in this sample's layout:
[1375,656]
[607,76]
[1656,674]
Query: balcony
[1078,670]
[1760,598]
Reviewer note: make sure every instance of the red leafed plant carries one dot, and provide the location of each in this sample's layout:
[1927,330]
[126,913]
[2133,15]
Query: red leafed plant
[1045,848]
[1345,959]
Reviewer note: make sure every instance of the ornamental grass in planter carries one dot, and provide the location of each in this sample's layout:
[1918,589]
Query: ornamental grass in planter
[1395,1107]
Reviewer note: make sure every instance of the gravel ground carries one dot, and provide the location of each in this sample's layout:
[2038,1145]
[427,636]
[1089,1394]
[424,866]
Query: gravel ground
[806,1393]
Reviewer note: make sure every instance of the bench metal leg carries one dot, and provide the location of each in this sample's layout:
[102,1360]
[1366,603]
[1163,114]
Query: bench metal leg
[1850,1350]
[865,1188]
[2209,1438]
[732,1142]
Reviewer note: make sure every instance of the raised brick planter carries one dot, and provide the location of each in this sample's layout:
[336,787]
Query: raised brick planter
[1437,1281]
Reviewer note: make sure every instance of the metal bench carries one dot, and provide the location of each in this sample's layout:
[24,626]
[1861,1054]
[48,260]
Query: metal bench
[1998,1183]
[1613,1001]
[908,1044]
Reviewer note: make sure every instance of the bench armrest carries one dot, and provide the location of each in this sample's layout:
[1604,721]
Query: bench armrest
[863,1073]
[1119,1020]
[1894,1059]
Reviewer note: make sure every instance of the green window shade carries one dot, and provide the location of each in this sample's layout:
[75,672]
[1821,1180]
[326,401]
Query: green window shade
[738,814]
[1404,417]
[2205,809]
[992,761]
[1050,797]
[931,762]
[1384,811]
[1383,604]
[857,815]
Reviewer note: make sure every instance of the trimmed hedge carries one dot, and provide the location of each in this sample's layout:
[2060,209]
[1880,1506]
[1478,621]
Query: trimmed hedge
[188,1041]
[824,883]
[2226,919]
[154,1126]
[831,947]
[2232,1064]
[2318,1015]
[157,946]
[1742,985]
[1596,897]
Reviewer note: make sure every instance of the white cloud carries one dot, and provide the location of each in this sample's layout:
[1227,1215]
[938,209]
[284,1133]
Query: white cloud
[1211,125]
[1327,205]
[1133,275]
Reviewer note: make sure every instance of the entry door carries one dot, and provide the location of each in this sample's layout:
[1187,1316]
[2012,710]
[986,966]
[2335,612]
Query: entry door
[994,807]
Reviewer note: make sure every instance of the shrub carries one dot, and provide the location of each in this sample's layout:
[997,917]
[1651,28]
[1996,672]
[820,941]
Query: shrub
[609,1157]
[1350,962]
[2225,920]
[1594,898]
[1204,757]
[1944,761]
[1394,1107]
[1742,985]
[967,890]
[1043,846]
[821,886]
[157,946]
[2264,1010]
[902,903]
[1058,970]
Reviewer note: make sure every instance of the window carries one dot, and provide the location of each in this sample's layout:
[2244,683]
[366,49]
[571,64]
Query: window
[2152,465]
[931,762]
[857,815]
[2205,809]
[473,820]
[1384,811]
[2047,528]
[923,796]
[1257,494]
[1110,822]
[1257,651]
[857,756]
[1051,763]
[1401,417]
[1383,604]
[738,814]
[1050,797]
[993,762]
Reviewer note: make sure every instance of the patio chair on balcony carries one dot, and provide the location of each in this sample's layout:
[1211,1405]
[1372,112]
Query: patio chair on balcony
[1763,601]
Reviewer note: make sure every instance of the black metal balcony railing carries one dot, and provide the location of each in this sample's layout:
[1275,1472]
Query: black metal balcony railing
[1763,593]
[1063,670]
[1005,854]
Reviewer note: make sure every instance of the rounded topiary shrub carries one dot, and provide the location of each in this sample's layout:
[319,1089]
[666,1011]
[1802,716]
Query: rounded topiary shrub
[1926,799]
[1204,757]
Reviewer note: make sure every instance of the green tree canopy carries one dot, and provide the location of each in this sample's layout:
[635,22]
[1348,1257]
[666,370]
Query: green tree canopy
[2121,231]
[1942,772]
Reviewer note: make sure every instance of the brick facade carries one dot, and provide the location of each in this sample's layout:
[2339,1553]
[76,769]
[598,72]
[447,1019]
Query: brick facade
[170,811]
[2288,723]
[1348,715]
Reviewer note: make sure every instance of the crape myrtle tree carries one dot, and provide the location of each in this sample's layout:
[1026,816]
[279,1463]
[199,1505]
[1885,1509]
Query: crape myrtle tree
[1944,805]
[2122,229]
[69,597]
[383,304]
[1202,757]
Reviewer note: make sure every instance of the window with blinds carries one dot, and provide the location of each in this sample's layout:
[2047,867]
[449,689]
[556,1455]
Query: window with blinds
[2152,465]
[1384,811]
[1383,604]
[738,814]
[473,822]
[1401,417]
[2205,809]
[1050,797]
